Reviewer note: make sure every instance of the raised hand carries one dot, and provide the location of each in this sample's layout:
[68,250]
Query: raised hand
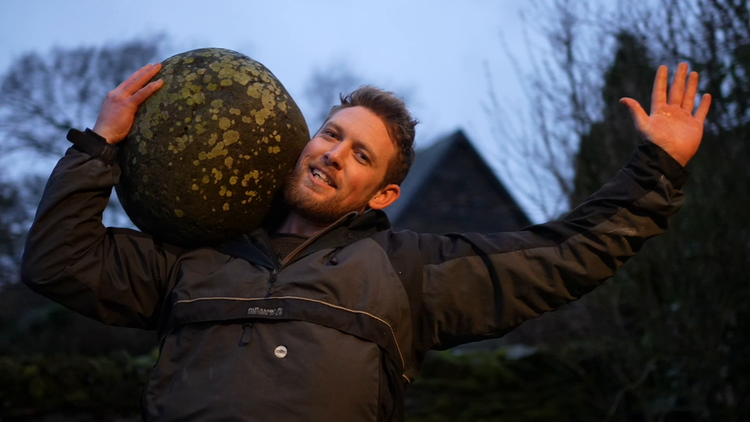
[672,124]
[118,109]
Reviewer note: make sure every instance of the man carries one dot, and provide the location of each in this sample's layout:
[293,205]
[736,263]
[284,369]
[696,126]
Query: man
[330,315]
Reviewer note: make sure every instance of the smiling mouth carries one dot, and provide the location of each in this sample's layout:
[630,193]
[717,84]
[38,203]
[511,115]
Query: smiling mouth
[320,175]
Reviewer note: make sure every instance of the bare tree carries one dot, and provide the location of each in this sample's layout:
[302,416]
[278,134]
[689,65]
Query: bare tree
[323,89]
[42,96]
[561,85]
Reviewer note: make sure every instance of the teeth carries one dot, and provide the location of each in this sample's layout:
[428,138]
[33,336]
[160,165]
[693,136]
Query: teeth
[322,176]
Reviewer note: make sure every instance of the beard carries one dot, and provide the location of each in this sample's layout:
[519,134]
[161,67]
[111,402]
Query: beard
[297,195]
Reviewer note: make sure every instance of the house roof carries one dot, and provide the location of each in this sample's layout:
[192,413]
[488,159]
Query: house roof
[430,160]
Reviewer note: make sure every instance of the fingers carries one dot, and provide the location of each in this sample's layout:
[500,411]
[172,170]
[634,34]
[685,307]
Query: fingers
[688,102]
[702,111]
[138,79]
[677,92]
[639,115]
[659,94]
[139,97]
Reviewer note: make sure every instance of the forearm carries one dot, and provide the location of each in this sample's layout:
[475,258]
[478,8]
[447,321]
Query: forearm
[492,283]
[73,259]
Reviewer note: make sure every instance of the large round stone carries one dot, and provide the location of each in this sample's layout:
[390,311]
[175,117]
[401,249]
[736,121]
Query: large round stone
[209,151]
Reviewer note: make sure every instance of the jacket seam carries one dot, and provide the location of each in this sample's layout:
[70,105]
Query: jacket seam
[355,311]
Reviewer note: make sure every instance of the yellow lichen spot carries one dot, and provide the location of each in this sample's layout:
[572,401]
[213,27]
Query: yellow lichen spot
[282,106]
[224,123]
[226,82]
[196,162]
[278,138]
[261,116]
[179,213]
[214,117]
[198,119]
[228,162]
[194,187]
[198,98]
[191,77]
[142,148]
[207,78]
[254,90]
[177,198]
[218,103]
[241,78]
[229,193]
[188,60]
[230,137]
[251,193]
[235,111]
[205,179]
[218,150]
[217,175]
[202,156]
[213,138]
[233,180]
[145,178]
[133,161]
[244,201]
[223,191]
[274,150]
[190,101]
[212,87]
[247,119]
[226,206]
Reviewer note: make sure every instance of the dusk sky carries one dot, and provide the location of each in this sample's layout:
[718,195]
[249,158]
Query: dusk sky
[437,52]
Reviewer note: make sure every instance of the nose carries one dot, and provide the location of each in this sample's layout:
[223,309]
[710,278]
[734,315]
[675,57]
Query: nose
[334,156]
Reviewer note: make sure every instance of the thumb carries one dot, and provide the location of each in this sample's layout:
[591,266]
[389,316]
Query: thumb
[640,118]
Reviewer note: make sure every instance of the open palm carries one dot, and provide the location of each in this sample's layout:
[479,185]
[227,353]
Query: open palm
[672,124]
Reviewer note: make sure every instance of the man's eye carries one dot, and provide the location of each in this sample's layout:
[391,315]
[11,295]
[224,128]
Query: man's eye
[362,156]
[330,133]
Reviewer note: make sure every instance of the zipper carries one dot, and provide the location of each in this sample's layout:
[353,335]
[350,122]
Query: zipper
[271,282]
[293,254]
[247,333]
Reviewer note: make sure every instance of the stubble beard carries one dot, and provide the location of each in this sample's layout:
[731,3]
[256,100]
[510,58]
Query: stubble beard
[297,195]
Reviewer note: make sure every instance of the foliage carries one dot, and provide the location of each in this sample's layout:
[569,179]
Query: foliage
[682,309]
[108,386]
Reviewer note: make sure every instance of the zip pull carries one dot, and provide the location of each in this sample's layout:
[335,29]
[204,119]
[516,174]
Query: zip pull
[271,281]
[247,333]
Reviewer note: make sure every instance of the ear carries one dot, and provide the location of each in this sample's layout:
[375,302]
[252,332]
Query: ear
[385,197]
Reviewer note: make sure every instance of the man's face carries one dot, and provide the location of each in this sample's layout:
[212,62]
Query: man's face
[343,167]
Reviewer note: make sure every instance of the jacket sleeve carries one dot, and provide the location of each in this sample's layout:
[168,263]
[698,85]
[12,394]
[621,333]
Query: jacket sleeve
[116,276]
[475,286]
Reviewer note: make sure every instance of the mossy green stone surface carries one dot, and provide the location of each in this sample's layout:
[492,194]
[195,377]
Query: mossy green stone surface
[210,150]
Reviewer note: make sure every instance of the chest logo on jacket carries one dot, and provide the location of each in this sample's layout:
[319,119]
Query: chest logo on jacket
[265,311]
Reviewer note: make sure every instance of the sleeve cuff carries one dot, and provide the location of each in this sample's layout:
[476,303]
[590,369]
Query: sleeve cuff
[650,162]
[93,144]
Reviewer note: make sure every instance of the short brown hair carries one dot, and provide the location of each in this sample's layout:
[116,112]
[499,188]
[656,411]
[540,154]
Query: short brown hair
[398,121]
